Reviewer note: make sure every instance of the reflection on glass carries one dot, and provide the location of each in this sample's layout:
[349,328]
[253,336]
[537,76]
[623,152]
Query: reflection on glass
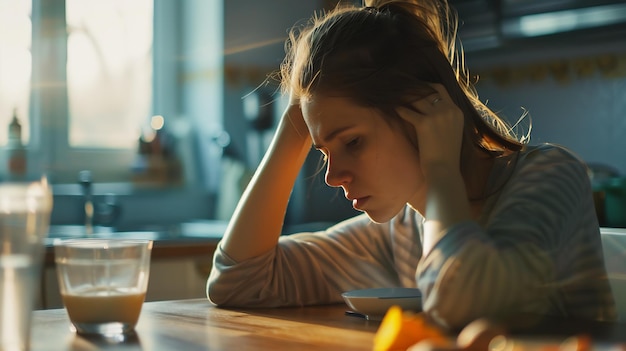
[15,64]
[109,71]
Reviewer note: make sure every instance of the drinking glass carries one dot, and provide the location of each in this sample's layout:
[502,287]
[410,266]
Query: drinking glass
[24,220]
[103,283]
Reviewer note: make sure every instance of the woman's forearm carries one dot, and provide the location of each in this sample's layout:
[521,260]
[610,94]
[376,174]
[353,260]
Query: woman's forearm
[446,205]
[257,221]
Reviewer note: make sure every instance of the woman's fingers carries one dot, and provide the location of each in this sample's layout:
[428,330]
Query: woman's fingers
[436,100]
[438,124]
[438,105]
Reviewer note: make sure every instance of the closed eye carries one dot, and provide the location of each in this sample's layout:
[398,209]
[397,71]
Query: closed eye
[353,142]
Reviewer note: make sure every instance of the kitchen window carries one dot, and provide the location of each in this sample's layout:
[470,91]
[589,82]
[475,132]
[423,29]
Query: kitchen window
[109,71]
[79,76]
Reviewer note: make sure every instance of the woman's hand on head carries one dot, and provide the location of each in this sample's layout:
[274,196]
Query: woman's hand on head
[294,117]
[438,124]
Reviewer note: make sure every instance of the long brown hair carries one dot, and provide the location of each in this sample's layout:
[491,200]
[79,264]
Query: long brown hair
[385,55]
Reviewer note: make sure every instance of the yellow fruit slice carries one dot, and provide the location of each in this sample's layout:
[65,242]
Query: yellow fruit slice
[399,330]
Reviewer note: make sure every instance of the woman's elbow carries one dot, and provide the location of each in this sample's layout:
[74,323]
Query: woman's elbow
[217,293]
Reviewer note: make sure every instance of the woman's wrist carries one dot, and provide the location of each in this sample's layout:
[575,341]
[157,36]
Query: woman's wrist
[294,120]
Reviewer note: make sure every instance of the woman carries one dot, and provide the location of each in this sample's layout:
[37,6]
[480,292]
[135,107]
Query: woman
[483,224]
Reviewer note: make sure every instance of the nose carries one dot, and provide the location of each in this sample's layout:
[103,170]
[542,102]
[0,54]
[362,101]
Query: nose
[336,173]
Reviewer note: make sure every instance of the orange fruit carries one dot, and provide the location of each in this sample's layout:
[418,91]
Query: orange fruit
[399,330]
[479,334]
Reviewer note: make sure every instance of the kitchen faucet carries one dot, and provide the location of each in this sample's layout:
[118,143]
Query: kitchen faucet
[103,212]
[85,181]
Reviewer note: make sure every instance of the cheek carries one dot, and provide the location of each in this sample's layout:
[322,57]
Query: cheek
[398,155]
[408,159]
[401,160]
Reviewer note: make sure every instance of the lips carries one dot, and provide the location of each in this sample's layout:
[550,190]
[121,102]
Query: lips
[360,202]
[357,201]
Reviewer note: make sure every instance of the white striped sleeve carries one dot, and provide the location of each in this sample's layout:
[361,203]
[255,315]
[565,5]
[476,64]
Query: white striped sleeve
[539,252]
[307,268]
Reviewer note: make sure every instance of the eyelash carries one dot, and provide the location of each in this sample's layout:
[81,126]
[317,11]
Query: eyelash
[353,142]
[324,156]
[350,144]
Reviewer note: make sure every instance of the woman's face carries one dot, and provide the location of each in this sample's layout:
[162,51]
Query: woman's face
[372,159]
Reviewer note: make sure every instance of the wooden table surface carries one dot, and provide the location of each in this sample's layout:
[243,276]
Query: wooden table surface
[187,325]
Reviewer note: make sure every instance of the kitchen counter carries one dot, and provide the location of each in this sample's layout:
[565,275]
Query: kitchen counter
[193,238]
[197,238]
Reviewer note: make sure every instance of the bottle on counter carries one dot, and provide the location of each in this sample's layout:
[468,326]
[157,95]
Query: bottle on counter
[16,152]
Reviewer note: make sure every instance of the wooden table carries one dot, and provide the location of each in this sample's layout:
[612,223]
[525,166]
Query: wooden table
[188,325]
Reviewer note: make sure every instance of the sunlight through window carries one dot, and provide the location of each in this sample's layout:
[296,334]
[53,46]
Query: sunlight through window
[15,64]
[109,71]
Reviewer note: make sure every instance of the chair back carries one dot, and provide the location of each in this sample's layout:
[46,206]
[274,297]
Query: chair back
[614,244]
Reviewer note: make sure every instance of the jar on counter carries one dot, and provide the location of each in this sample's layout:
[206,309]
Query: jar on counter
[16,152]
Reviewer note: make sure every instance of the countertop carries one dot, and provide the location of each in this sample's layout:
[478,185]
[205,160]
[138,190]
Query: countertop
[197,238]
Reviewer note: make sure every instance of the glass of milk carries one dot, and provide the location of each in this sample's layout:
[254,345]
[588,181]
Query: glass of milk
[103,283]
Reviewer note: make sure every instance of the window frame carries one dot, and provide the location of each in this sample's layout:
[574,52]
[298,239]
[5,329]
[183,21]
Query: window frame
[49,151]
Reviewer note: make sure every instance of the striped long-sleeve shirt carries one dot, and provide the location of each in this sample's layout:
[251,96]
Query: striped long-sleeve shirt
[535,249]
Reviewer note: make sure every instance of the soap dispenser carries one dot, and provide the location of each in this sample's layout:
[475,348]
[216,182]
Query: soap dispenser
[16,160]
